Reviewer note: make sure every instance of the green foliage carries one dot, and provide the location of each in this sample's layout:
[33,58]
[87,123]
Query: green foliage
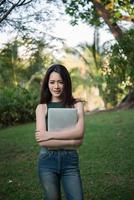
[77,80]
[119,73]
[106,159]
[19,75]
[83,10]
[84,73]
[24,68]
[9,62]
[118,76]
[37,63]
[17,105]
[86,10]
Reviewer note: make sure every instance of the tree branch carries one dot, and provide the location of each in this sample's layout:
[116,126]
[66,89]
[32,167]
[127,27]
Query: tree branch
[102,12]
[3,1]
[7,13]
[127,18]
[24,3]
[19,3]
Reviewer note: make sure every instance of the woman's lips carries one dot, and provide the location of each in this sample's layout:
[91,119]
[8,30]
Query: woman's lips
[57,91]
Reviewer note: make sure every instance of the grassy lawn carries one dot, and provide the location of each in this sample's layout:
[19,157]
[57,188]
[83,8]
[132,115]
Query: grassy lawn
[106,159]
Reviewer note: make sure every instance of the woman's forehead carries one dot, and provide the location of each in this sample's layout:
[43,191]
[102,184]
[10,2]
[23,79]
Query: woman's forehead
[55,76]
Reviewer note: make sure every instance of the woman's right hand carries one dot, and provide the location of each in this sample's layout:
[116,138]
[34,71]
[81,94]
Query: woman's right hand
[41,135]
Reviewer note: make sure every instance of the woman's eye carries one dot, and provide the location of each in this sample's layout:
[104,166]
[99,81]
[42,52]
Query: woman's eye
[51,82]
[61,82]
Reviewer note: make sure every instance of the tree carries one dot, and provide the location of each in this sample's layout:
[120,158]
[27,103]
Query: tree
[7,7]
[92,11]
[28,17]
[84,73]
[8,64]
[19,70]
[14,14]
[120,68]
[39,61]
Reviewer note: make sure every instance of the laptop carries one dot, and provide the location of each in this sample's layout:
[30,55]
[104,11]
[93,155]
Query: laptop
[61,118]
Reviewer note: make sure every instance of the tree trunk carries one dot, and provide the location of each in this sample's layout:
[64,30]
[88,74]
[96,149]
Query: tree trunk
[102,12]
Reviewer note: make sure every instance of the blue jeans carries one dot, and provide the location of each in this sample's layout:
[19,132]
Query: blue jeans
[56,167]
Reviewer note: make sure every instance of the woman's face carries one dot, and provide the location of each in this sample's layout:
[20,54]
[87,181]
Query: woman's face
[55,85]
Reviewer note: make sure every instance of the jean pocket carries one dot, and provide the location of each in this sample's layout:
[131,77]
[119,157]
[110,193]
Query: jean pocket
[73,154]
[44,154]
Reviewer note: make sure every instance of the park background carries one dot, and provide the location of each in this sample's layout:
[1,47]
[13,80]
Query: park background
[98,50]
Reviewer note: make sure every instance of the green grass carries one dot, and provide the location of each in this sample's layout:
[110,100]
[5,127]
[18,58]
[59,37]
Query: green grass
[106,159]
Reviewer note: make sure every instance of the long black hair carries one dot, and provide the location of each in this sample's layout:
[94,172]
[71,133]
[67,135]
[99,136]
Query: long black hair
[67,97]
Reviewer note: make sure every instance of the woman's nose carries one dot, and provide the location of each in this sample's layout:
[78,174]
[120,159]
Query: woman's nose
[56,85]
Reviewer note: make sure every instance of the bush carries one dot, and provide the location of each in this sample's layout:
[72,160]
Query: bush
[17,105]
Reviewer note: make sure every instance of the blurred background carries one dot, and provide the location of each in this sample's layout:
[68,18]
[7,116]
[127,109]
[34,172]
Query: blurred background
[93,39]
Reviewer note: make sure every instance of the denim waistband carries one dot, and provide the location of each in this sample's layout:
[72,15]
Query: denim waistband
[44,149]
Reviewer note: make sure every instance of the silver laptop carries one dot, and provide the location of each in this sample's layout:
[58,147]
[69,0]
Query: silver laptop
[61,118]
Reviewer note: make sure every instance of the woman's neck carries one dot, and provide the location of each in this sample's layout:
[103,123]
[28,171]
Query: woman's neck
[55,100]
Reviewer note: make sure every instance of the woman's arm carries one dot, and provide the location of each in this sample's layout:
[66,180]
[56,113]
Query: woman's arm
[41,112]
[76,132]
[60,143]
[41,135]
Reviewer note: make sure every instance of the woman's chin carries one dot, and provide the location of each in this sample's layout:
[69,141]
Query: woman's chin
[56,94]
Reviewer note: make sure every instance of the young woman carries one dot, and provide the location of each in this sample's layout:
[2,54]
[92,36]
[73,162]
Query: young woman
[58,159]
